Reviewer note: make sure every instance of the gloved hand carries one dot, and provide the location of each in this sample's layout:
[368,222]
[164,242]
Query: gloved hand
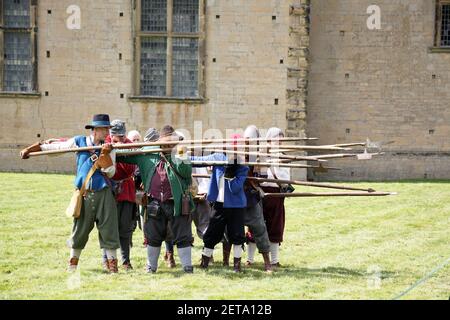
[105,161]
[24,154]
[106,148]
[230,171]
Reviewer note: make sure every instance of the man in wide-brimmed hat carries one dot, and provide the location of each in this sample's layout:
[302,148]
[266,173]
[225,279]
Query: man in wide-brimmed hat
[98,205]
[166,180]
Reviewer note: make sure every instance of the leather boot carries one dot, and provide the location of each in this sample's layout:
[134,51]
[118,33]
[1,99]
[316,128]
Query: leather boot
[226,249]
[112,266]
[237,265]
[73,264]
[205,262]
[267,265]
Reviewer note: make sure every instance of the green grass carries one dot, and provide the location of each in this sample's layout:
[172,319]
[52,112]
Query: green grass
[331,248]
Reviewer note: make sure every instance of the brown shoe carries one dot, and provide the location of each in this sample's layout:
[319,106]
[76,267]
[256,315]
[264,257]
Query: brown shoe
[267,265]
[226,249]
[170,260]
[73,264]
[205,262]
[112,266]
[237,265]
[105,265]
[127,266]
[248,263]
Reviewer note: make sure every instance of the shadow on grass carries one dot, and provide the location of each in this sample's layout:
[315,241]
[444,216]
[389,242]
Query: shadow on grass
[257,272]
[412,181]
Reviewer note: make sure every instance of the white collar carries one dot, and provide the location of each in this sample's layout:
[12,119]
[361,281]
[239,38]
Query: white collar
[90,140]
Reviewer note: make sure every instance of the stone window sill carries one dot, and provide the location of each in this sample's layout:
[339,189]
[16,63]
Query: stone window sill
[439,49]
[27,95]
[167,99]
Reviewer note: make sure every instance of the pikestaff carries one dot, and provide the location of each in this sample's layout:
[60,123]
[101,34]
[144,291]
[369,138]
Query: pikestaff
[169,143]
[270,148]
[296,182]
[262,154]
[332,194]
[261,164]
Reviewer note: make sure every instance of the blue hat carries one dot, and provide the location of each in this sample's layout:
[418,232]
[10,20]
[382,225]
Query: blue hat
[99,121]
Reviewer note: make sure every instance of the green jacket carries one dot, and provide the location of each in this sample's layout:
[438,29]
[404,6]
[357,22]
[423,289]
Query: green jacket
[147,165]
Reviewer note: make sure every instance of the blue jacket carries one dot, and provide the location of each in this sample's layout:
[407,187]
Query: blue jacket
[234,195]
[84,164]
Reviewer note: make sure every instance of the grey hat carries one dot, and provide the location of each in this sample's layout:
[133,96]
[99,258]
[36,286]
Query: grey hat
[151,135]
[117,128]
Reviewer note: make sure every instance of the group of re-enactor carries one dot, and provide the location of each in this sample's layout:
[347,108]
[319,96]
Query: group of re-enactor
[226,202]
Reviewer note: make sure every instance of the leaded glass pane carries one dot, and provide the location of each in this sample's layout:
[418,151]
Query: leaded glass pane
[185,67]
[153,66]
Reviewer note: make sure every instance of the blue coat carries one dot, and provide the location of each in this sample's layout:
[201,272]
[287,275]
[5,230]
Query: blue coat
[84,164]
[234,195]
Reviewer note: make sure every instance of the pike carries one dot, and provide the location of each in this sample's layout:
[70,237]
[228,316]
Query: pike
[296,182]
[310,184]
[367,144]
[280,148]
[285,157]
[330,194]
[360,156]
[166,143]
[261,164]
[272,148]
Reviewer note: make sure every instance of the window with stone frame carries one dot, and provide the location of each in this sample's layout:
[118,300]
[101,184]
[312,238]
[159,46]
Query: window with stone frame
[169,41]
[18,72]
[442,23]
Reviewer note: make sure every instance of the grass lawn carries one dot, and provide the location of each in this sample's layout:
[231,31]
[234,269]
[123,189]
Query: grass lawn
[334,248]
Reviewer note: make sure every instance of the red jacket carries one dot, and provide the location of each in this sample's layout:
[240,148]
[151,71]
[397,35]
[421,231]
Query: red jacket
[125,173]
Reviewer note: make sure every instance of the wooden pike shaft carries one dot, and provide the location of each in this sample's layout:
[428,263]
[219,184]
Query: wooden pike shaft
[168,143]
[270,148]
[278,148]
[261,164]
[132,152]
[299,158]
[330,194]
[340,155]
[296,182]
[140,151]
[344,145]
[310,184]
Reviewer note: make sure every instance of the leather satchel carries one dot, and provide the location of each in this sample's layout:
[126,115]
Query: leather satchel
[74,208]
